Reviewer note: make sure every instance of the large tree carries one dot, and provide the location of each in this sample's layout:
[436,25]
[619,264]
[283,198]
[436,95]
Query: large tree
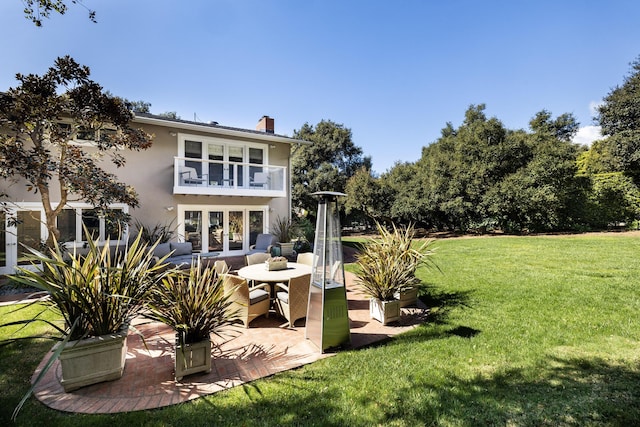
[366,195]
[324,165]
[40,119]
[483,175]
[619,117]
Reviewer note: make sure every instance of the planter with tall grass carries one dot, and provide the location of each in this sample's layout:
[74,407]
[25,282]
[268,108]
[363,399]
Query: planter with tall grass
[285,230]
[97,294]
[194,304]
[386,270]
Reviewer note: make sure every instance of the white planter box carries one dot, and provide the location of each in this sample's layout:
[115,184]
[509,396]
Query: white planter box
[384,312]
[93,360]
[193,358]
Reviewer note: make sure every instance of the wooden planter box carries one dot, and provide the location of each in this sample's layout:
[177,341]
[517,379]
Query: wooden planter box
[384,312]
[193,358]
[93,360]
[286,249]
[408,297]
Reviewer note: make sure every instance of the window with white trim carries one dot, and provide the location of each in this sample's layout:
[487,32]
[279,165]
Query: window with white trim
[70,225]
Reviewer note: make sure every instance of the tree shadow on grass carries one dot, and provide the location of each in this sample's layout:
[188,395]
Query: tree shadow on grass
[563,391]
[440,305]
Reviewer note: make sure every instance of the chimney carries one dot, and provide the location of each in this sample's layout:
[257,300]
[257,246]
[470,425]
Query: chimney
[265,125]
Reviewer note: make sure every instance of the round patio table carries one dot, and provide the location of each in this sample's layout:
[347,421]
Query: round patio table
[259,272]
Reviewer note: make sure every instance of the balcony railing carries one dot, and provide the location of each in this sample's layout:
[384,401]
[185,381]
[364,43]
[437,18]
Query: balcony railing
[211,177]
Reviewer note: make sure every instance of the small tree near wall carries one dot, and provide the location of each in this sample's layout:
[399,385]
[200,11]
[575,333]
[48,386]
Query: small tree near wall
[41,120]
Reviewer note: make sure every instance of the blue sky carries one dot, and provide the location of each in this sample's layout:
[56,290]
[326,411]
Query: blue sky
[394,72]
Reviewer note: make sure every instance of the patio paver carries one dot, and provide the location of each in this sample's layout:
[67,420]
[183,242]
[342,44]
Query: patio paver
[262,350]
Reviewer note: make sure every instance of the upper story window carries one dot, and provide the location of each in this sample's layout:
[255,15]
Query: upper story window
[221,162]
[217,150]
[86,136]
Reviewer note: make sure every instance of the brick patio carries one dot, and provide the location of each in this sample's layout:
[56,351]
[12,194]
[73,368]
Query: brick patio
[264,349]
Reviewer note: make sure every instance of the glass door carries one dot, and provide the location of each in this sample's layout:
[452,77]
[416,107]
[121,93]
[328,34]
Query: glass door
[216,232]
[236,236]
[24,230]
[29,234]
[229,230]
[193,229]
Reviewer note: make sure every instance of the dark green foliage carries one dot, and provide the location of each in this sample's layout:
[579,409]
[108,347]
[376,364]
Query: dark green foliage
[619,117]
[324,165]
[482,176]
[159,233]
[367,196]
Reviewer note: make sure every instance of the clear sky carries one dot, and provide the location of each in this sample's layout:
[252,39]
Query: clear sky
[394,72]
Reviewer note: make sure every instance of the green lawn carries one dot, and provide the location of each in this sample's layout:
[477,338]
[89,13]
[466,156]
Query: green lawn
[524,331]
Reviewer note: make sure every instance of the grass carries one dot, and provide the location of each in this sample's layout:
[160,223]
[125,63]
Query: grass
[524,331]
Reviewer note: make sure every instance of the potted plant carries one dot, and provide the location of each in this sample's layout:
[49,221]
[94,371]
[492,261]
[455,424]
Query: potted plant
[97,294]
[284,229]
[194,304]
[386,269]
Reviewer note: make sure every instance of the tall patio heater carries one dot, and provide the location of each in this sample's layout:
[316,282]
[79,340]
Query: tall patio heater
[327,314]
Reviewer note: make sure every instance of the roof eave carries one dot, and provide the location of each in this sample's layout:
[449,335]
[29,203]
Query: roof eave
[217,130]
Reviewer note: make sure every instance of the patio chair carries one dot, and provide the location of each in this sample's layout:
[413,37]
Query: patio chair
[264,243]
[249,303]
[257,258]
[189,176]
[305,258]
[291,301]
[260,179]
[221,267]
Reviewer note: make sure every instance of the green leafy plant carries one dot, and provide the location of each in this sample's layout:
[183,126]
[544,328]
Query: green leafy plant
[96,293]
[284,229]
[192,302]
[160,233]
[388,264]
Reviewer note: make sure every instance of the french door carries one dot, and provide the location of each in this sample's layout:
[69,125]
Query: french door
[25,229]
[230,230]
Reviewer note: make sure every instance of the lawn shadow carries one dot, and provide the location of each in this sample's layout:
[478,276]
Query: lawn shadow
[561,391]
[441,303]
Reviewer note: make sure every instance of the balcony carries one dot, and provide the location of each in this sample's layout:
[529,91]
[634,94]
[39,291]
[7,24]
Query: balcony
[219,178]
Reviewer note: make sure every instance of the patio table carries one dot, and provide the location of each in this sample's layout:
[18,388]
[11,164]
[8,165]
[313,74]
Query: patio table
[259,272]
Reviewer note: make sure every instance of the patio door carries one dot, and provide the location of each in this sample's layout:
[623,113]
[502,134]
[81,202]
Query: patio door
[231,230]
[22,231]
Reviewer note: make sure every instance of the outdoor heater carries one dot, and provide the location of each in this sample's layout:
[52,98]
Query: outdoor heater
[327,314]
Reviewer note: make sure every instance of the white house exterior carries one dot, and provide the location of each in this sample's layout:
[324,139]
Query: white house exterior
[218,186]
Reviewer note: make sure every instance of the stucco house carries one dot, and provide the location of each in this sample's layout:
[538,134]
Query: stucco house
[219,186]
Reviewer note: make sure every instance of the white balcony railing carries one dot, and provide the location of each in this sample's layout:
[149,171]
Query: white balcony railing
[211,177]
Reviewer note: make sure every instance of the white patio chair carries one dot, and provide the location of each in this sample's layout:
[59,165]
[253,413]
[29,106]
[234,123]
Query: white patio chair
[189,176]
[260,179]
